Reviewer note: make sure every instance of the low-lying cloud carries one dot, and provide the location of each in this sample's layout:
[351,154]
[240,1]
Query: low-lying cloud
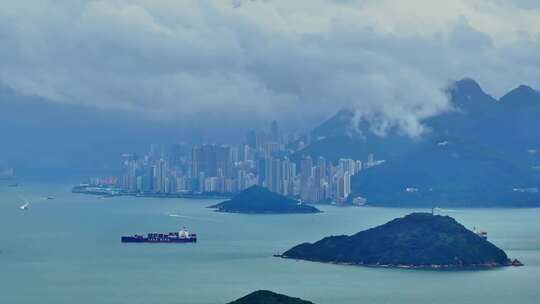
[267,59]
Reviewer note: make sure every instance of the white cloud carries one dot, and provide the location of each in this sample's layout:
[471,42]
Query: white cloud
[267,58]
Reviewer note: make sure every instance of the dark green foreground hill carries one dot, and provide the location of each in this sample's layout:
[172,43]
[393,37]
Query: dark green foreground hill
[418,240]
[259,200]
[268,297]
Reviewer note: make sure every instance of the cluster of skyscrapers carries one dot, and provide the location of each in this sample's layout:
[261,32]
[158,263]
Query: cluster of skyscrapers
[265,159]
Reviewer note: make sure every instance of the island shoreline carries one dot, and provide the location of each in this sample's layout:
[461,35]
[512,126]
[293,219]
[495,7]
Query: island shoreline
[511,263]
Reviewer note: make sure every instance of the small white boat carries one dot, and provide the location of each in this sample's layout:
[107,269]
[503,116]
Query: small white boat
[480,233]
[26,206]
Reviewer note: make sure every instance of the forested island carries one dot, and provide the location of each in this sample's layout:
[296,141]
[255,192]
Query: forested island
[259,200]
[418,240]
[268,297]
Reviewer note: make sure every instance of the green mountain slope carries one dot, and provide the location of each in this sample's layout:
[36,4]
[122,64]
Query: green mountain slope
[257,199]
[268,297]
[416,240]
[449,172]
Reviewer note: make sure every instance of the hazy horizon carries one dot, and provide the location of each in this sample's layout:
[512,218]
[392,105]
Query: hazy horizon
[122,75]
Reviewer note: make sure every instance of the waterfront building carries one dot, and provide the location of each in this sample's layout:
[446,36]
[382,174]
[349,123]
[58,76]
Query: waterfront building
[263,161]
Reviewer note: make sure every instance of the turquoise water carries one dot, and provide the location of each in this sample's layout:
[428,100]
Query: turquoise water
[67,250]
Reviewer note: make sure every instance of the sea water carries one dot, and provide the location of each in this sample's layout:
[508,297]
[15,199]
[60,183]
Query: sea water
[68,250]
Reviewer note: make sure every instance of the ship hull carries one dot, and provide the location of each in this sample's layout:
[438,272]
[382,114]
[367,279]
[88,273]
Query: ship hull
[130,239]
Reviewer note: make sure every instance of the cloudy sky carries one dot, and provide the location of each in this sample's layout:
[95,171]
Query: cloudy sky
[265,59]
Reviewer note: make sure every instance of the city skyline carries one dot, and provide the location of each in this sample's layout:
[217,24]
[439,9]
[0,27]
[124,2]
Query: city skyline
[264,159]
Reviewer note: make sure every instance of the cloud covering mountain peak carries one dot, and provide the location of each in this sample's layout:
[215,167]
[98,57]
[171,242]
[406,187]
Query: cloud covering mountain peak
[291,60]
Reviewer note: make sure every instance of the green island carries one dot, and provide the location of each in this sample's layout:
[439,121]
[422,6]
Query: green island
[418,240]
[268,297]
[259,200]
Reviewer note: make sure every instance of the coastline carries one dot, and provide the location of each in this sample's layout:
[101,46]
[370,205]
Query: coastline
[262,213]
[456,267]
[114,192]
[111,192]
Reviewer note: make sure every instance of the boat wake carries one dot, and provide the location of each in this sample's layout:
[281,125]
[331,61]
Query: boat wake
[192,217]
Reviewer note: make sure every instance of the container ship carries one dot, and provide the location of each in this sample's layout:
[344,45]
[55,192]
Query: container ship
[182,236]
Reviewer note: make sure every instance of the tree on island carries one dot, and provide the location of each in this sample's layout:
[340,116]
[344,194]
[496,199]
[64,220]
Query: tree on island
[259,200]
[268,297]
[418,240]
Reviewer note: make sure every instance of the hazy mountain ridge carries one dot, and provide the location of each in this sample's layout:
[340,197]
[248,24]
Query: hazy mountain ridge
[476,154]
[472,108]
[338,138]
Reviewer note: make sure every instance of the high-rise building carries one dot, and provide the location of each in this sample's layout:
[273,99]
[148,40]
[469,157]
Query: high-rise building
[130,177]
[249,153]
[347,165]
[237,154]
[305,168]
[147,179]
[161,177]
[271,148]
[204,160]
[261,139]
[196,155]
[251,139]
[358,166]
[288,173]
[261,171]
[273,174]
[320,173]
[343,187]
[173,154]
[156,151]
[223,161]
[199,181]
